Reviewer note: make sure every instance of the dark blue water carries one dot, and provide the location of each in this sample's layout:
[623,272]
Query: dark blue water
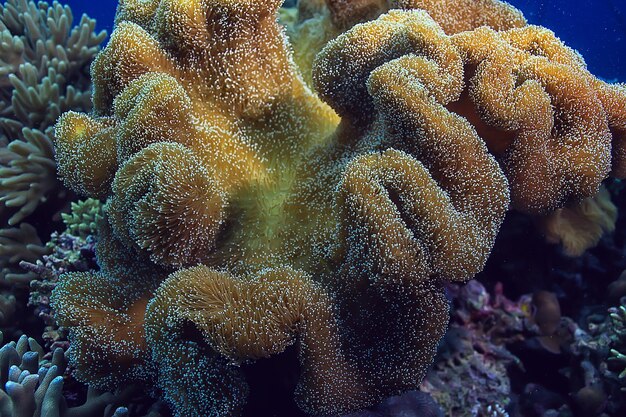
[596,28]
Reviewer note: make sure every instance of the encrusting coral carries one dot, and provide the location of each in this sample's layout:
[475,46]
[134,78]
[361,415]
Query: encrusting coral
[332,229]
[44,64]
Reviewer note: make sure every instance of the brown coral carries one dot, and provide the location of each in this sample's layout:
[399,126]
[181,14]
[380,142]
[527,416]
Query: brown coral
[244,319]
[76,170]
[539,113]
[177,210]
[108,343]
[556,130]
[456,16]
[338,238]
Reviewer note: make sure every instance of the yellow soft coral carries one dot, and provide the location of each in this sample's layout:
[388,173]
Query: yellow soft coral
[243,319]
[108,343]
[579,226]
[333,229]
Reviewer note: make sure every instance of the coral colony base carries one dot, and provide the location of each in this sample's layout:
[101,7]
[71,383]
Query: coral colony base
[298,195]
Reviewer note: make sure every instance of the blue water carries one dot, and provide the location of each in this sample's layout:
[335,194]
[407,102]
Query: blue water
[596,28]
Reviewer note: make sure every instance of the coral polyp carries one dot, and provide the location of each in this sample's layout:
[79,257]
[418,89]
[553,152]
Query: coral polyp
[331,222]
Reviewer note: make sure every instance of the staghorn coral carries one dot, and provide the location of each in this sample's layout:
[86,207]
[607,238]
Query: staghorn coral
[44,64]
[84,217]
[332,229]
[16,245]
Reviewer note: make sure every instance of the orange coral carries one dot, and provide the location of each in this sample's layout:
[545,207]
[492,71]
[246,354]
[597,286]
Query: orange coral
[335,231]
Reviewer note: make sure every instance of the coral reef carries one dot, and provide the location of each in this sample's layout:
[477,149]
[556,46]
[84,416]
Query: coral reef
[618,341]
[594,368]
[7,308]
[331,223]
[409,404]
[44,72]
[69,253]
[470,376]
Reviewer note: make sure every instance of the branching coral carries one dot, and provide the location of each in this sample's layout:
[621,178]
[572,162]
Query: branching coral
[19,244]
[334,230]
[7,308]
[27,173]
[44,64]
[84,218]
[33,386]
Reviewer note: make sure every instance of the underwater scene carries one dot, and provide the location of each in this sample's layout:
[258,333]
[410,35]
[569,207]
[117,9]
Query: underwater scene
[329,208]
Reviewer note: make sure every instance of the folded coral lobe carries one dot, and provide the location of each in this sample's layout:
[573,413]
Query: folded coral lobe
[542,112]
